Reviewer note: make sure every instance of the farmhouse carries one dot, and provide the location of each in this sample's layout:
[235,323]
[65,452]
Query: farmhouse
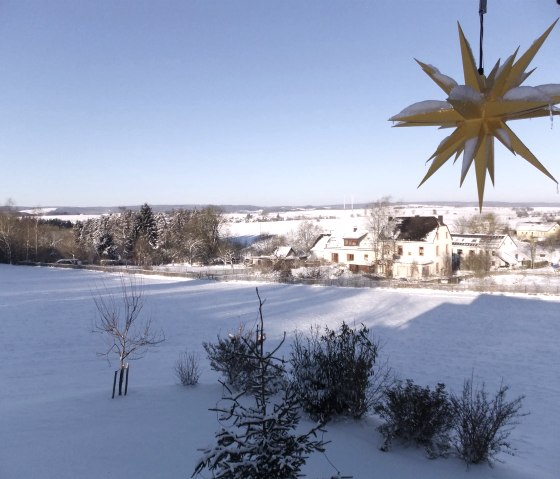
[418,246]
[538,231]
[501,248]
[422,247]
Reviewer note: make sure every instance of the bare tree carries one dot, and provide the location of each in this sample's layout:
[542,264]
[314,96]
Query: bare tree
[380,221]
[488,223]
[305,236]
[120,320]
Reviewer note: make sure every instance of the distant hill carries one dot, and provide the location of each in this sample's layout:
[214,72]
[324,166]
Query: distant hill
[98,210]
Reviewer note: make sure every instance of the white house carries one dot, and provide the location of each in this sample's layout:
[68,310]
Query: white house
[422,247]
[537,231]
[502,248]
[419,246]
[353,248]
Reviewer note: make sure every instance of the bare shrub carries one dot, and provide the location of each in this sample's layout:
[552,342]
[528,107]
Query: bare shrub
[482,424]
[187,368]
[418,415]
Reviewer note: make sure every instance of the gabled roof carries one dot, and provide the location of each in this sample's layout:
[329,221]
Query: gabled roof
[284,252]
[414,228]
[321,241]
[355,234]
[543,227]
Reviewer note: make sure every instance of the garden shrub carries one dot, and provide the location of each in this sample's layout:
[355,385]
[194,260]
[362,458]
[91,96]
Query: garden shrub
[231,357]
[187,368]
[418,415]
[482,425]
[332,372]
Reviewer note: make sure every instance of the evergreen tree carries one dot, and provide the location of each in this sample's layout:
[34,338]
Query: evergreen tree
[261,442]
[145,225]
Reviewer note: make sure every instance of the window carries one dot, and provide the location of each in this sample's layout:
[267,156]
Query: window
[334,257]
[350,242]
[349,257]
[400,250]
[421,251]
[366,257]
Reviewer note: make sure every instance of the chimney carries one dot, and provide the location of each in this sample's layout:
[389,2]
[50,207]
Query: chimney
[440,219]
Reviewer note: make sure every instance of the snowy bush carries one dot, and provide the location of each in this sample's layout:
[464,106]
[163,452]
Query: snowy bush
[232,358]
[283,269]
[257,439]
[187,368]
[482,425]
[418,415]
[332,373]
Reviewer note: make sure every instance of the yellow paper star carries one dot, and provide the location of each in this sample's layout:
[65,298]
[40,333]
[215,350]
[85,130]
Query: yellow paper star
[479,110]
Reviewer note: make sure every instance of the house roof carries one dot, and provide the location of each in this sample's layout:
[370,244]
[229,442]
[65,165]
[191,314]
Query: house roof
[355,234]
[321,241]
[284,252]
[414,228]
[544,227]
[478,240]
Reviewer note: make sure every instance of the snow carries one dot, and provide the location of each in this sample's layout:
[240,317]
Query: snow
[57,418]
[551,89]
[421,107]
[466,94]
[447,81]
[528,93]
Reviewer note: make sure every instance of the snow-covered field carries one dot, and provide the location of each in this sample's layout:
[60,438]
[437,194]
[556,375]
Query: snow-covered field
[57,418]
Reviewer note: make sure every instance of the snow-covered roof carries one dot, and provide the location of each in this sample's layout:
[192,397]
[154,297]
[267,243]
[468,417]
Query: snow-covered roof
[541,226]
[480,240]
[355,234]
[284,252]
[321,242]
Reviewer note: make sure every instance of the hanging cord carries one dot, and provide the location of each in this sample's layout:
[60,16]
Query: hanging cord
[481,12]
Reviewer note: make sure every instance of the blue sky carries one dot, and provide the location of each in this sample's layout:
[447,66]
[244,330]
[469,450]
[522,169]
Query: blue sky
[280,102]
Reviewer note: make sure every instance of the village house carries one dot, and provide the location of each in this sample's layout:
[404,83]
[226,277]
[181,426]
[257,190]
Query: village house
[537,231]
[286,253]
[418,246]
[502,249]
[422,247]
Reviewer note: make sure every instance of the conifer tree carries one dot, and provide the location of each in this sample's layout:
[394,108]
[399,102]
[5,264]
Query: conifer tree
[260,442]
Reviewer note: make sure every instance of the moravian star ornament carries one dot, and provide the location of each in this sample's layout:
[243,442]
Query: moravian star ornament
[480,109]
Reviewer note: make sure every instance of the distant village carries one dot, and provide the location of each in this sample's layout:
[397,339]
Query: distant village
[379,240]
[426,246]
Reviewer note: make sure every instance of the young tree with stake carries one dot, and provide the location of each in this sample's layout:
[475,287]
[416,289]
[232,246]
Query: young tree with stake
[120,320]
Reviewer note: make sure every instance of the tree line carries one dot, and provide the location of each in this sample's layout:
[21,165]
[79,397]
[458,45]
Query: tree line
[129,237]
